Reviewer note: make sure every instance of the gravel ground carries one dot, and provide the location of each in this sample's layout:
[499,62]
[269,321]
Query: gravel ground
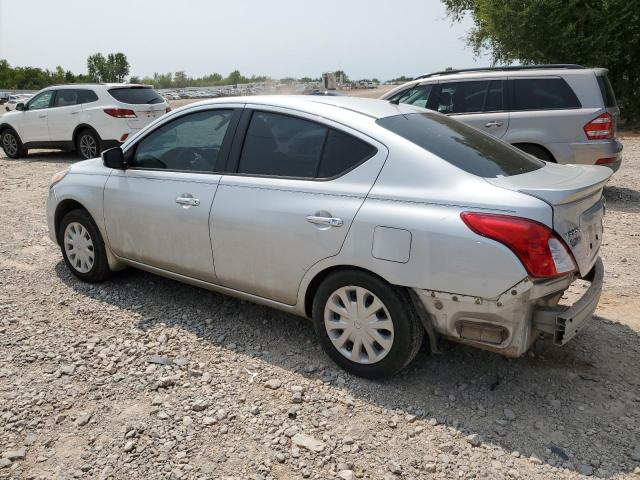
[143,377]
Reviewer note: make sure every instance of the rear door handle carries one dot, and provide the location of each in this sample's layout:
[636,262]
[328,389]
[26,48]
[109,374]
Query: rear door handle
[42,116]
[75,113]
[187,200]
[328,221]
[493,124]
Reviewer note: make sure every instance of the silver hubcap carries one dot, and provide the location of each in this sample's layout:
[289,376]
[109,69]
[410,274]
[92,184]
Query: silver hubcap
[88,146]
[10,144]
[358,324]
[79,247]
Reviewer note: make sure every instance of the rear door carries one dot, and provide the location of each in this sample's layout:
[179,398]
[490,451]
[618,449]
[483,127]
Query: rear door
[64,114]
[157,211]
[479,103]
[295,185]
[145,102]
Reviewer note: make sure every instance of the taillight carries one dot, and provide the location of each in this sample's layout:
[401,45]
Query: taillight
[120,112]
[124,137]
[540,250]
[167,110]
[606,161]
[600,128]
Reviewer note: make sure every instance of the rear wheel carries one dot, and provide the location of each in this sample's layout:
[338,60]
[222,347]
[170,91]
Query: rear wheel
[82,247]
[88,144]
[11,144]
[536,150]
[365,325]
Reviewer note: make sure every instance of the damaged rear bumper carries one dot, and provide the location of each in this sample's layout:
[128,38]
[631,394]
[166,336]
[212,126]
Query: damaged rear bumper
[564,322]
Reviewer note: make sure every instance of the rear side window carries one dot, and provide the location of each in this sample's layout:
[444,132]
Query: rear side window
[543,94]
[417,95]
[286,146]
[87,96]
[460,145]
[135,95]
[66,98]
[608,96]
[462,97]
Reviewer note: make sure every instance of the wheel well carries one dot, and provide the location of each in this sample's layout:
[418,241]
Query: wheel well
[79,129]
[524,146]
[319,278]
[62,209]
[6,126]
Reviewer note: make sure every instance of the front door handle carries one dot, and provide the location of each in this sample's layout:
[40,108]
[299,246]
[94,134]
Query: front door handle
[497,123]
[42,116]
[187,200]
[328,221]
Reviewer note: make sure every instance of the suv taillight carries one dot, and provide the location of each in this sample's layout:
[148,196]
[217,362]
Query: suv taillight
[120,112]
[600,128]
[540,250]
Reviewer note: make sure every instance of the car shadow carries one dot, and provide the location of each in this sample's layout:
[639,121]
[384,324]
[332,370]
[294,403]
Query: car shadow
[587,390]
[46,156]
[622,199]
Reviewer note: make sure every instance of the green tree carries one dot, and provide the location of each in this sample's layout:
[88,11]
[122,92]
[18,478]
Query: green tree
[96,67]
[594,33]
[180,79]
[234,78]
[113,68]
[341,76]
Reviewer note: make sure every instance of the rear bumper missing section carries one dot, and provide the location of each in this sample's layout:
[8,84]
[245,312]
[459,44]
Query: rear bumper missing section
[564,322]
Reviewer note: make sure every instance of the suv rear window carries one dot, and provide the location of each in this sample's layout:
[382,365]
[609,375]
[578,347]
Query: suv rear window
[460,145]
[543,94]
[608,96]
[135,95]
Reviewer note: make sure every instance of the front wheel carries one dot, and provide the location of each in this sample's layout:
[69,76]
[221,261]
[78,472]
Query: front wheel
[366,325]
[82,247]
[88,145]
[11,144]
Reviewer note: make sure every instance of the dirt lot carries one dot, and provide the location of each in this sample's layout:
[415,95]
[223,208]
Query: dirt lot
[143,377]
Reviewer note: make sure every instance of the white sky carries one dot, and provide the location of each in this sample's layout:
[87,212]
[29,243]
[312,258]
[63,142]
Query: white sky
[365,38]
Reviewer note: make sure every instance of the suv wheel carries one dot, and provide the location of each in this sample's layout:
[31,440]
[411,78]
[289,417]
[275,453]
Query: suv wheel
[88,145]
[82,247]
[11,144]
[365,325]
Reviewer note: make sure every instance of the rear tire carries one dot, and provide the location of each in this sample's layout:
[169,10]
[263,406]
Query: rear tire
[88,144]
[82,247]
[11,144]
[535,150]
[379,320]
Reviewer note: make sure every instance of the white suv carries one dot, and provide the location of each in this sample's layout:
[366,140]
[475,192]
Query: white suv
[87,118]
[558,113]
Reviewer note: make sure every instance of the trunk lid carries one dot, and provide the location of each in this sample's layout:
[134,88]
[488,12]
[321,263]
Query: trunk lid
[575,195]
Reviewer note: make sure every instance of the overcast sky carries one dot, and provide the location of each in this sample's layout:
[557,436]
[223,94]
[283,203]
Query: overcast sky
[365,38]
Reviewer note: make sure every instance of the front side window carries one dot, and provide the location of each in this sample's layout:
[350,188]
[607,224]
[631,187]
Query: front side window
[189,143]
[543,94]
[40,101]
[417,95]
[66,98]
[285,146]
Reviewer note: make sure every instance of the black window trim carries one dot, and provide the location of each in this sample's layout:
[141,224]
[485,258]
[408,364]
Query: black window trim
[240,137]
[512,93]
[219,168]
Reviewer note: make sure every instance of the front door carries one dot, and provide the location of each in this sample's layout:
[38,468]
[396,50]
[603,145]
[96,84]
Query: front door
[63,116]
[34,125]
[157,211]
[296,189]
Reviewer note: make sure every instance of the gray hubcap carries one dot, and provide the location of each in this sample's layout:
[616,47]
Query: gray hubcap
[10,144]
[358,324]
[88,146]
[79,247]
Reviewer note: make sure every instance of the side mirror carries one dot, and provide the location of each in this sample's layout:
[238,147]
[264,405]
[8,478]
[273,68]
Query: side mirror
[114,158]
[21,107]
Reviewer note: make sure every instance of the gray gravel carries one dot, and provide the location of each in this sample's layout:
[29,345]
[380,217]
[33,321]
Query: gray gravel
[143,377]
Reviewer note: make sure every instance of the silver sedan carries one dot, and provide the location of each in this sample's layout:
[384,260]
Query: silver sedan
[388,225]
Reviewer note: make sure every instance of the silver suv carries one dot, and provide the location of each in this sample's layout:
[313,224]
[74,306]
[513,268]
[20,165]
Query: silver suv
[558,113]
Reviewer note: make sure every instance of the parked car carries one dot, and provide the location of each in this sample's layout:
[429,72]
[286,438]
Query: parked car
[86,118]
[559,113]
[380,222]
[14,100]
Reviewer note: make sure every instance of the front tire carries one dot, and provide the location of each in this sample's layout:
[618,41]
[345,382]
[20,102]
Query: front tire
[11,144]
[82,247]
[88,144]
[366,325]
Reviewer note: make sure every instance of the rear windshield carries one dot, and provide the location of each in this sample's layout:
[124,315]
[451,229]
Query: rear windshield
[460,145]
[607,92]
[136,95]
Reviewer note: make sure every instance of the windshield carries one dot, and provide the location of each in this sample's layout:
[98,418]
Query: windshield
[136,95]
[461,145]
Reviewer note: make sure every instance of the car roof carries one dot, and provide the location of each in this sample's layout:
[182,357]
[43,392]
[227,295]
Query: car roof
[530,71]
[324,104]
[66,86]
